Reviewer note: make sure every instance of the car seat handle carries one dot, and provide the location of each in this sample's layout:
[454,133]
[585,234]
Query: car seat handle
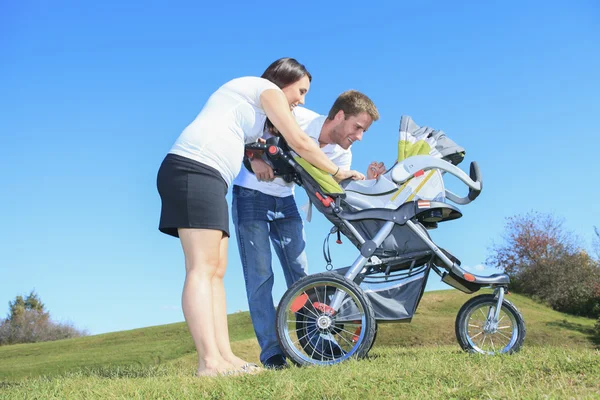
[475,175]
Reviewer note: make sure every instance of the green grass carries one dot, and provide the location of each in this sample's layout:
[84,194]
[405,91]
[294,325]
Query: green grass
[146,346]
[559,360]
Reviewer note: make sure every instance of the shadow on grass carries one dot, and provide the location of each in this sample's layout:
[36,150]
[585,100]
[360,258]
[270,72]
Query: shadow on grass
[586,330]
[126,371]
[8,385]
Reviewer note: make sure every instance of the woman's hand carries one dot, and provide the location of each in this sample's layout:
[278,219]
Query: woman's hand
[347,174]
[262,170]
[375,169]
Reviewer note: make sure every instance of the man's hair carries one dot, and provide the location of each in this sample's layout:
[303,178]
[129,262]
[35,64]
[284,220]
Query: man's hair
[352,103]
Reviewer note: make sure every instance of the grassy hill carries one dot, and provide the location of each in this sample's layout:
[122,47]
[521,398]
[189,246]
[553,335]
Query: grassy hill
[560,357]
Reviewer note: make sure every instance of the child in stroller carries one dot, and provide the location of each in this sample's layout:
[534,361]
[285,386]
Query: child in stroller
[328,317]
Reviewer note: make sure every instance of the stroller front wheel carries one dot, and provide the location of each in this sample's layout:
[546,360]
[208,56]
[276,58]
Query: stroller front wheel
[478,332]
[311,332]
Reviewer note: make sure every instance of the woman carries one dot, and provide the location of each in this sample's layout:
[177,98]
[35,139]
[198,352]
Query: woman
[193,181]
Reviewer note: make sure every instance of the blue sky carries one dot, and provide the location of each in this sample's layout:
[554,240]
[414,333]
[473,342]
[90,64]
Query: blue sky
[92,96]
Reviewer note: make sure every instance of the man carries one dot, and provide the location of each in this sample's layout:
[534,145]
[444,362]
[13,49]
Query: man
[264,208]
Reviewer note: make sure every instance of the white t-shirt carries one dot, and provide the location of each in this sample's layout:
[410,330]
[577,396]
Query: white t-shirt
[311,123]
[231,117]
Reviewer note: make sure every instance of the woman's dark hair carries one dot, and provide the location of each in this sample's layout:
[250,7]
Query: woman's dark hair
[284,72]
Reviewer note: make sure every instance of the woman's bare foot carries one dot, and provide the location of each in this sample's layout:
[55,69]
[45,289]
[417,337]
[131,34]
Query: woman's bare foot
[244,366]
[251,368]
[216,368]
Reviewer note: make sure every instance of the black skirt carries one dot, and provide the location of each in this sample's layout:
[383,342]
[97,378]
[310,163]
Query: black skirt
[192,196]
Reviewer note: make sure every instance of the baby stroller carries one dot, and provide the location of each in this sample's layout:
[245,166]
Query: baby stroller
[329,317]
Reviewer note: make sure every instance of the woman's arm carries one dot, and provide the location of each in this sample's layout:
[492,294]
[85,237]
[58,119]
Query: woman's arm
[277,109]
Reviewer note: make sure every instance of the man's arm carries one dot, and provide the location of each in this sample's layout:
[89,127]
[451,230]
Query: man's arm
[262,170]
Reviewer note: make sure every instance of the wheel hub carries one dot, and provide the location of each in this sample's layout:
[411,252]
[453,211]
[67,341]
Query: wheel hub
[490,327]
[324,322]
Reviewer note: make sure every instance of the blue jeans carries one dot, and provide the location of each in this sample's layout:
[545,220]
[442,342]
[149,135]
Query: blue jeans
[258,217]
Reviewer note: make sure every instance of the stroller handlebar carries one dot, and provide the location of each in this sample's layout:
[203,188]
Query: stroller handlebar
[257,146]
[408,168]
[276,153]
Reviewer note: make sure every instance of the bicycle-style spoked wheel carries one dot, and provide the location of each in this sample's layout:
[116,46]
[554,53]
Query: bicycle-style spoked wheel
[311,332]
[477,331]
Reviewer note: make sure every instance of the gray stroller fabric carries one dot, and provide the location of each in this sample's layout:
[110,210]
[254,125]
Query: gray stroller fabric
[442,144]
[395,300]
[401,240]
[446,146]
[391,301]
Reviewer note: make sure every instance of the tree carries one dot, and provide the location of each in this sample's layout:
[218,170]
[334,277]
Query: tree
[28,322]
[20,306]
[545,261]
[596,243]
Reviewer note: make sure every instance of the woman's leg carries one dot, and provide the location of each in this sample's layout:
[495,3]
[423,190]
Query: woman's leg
[220,309]
[202,260]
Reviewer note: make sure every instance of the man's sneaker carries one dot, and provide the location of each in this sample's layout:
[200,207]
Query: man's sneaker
[275,362]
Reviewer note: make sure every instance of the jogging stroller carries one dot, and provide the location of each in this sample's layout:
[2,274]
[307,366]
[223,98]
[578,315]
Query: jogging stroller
[329,317]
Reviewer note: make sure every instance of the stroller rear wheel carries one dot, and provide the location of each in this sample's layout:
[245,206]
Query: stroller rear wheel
[311,332]
[477,332]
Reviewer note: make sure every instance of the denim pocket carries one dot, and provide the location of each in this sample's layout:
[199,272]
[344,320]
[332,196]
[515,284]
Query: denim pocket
[251,205]
[243,192]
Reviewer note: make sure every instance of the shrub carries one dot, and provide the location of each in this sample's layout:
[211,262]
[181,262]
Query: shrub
[29,322]
[547,262]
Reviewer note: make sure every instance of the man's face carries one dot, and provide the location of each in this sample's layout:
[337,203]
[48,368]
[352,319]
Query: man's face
[349,130]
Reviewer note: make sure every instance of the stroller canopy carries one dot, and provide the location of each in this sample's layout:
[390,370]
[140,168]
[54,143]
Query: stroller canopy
[415,140]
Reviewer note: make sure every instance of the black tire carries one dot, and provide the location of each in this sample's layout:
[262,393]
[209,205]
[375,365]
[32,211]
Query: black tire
[470,331]
[375,335]
[296,315]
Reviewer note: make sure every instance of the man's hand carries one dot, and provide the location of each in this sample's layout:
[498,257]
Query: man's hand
[375,169]
[262,170]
